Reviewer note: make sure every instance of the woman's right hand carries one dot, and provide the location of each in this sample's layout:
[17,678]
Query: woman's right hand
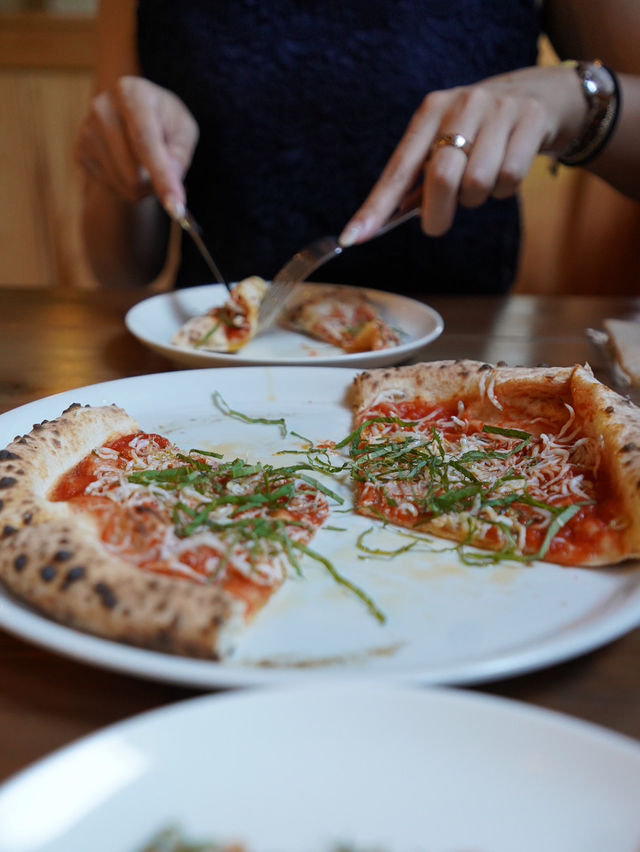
[138,139]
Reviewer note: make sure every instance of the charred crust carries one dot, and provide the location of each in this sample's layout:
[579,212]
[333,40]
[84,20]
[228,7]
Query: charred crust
[27,518]
[73,575]
[72,407]
[63,556]
[48,573]
[163,639]
[107,596]
[8,530]
[7,481]
[7,455]
[629,448]
[20,562]
[484,367]
[609,409]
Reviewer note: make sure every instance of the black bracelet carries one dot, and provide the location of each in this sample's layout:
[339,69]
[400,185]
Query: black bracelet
[601,89]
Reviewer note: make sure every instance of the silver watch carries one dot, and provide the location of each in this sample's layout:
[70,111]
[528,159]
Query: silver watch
[600,89]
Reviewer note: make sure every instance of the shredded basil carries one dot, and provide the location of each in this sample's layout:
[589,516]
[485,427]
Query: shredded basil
[238,415]
[209,334]
[379,551]
[343,581]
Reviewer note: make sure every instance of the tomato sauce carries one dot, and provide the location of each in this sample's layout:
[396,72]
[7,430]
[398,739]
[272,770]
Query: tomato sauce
[75,482]
[595,529]
[138,531]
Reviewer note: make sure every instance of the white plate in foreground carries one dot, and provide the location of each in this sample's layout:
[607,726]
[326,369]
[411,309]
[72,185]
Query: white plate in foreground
[304,770]
[446,622]
[155,320]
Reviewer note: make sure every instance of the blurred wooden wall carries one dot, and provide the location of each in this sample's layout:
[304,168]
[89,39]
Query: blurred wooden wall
[580,235]
[46,63]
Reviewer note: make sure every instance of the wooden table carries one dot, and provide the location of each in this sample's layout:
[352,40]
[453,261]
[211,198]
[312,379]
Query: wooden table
[55,340]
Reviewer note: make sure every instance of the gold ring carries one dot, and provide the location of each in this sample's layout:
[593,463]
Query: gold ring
[453,140]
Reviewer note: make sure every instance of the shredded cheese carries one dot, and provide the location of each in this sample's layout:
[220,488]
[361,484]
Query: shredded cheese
[155,502]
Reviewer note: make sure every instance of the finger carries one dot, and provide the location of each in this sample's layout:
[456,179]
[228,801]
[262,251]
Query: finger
[107,144]
[400,173]
[447,164]
[443,176]
[523,146]
[95,157]
[488,152]
[148,127]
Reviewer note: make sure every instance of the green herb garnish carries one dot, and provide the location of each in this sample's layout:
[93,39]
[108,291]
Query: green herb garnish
[238,415]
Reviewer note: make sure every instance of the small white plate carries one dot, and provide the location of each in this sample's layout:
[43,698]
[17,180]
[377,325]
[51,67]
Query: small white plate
[155,320]
[309,770]
[446,622]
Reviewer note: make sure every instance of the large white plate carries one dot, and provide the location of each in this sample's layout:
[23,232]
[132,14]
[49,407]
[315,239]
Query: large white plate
[305,770]
[155,320]
[446,622]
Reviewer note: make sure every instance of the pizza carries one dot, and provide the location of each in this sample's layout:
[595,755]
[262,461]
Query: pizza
[227,327]
[342,316]
[345,317]
[530,464]
[120,533]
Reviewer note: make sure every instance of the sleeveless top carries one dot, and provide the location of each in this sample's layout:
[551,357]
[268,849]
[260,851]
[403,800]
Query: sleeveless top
[301,102]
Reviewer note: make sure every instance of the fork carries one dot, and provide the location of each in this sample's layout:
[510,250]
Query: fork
[184,217]
[305,262]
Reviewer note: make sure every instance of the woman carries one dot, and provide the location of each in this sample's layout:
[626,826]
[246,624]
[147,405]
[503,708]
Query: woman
[275,120]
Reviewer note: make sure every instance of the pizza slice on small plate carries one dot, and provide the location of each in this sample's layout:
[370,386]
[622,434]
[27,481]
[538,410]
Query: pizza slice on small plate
[345,317]
[227,327]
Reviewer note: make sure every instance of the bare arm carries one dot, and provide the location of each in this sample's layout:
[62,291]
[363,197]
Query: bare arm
[135,146]
[586,29]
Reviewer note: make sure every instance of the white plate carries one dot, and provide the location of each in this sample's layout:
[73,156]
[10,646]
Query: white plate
[303,770]
[447,622]
[155,320]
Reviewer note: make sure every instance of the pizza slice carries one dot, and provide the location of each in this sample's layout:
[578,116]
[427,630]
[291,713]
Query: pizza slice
[528,463]
[227,327]
[344,317]
[118,532]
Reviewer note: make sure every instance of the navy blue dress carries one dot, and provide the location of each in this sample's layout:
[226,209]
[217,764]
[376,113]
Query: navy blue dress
[301,102]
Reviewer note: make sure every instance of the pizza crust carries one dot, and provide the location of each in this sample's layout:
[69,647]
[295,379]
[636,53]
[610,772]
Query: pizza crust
[531,391]
[52,558]
[527,393]
[616,421]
